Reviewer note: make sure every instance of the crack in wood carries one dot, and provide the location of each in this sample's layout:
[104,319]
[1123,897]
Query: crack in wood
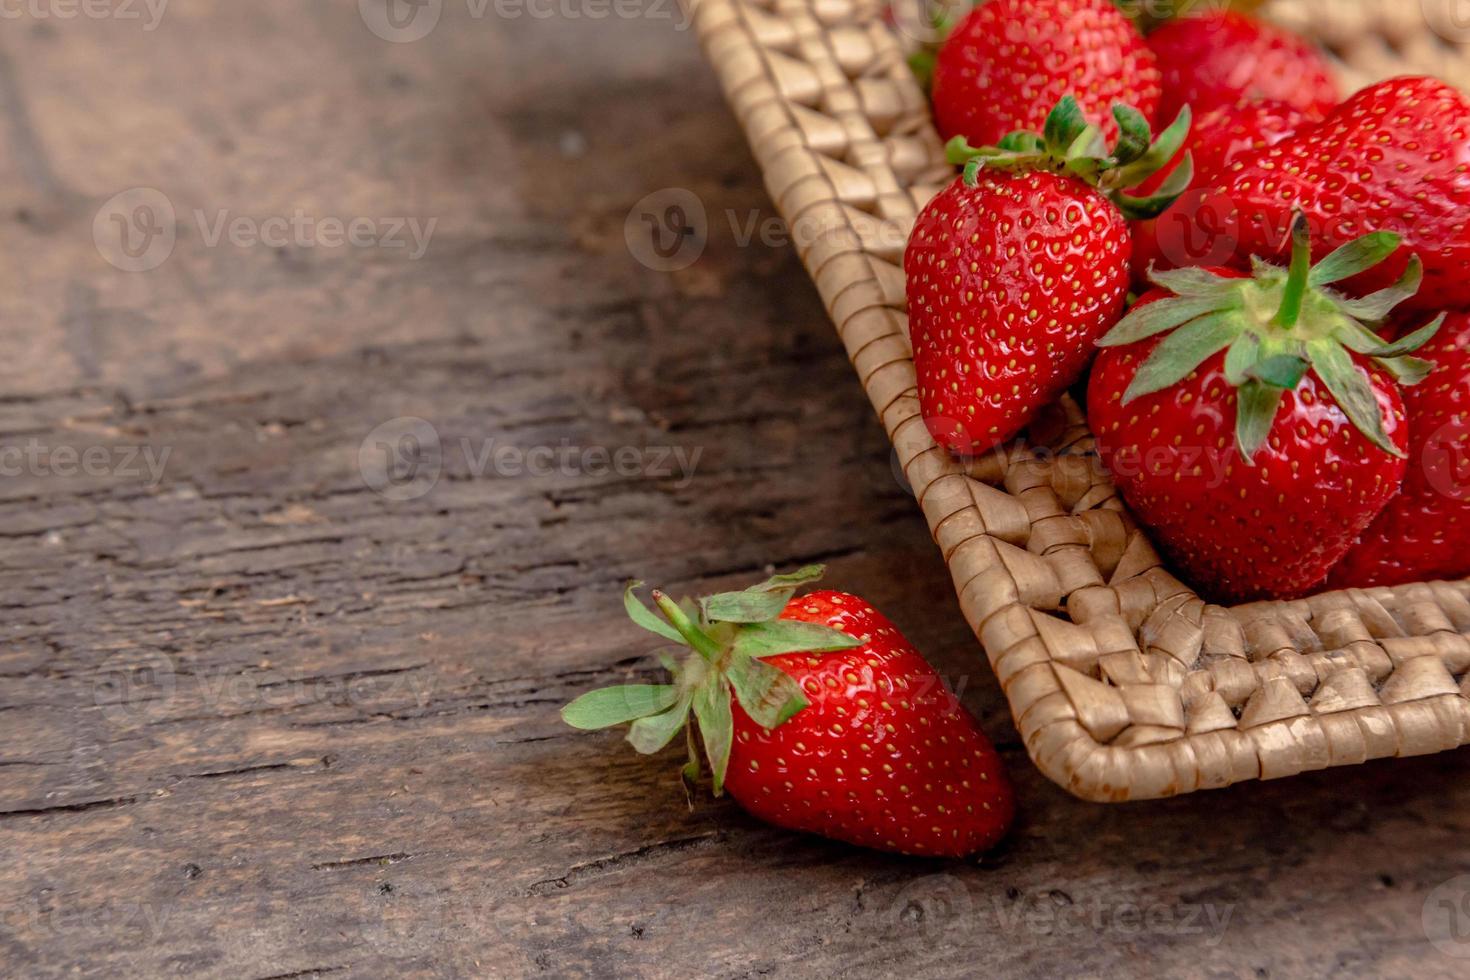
[108,804]
[382,860]
[622,860]
[242,770]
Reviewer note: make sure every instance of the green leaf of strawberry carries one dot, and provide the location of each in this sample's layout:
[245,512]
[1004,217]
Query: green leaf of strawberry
[716,726]
[782,636]
[770,696]
[651,733]
[640,614]
[619,705]
[759,602]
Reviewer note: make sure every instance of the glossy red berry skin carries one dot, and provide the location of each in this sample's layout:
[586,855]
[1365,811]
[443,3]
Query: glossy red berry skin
[1395,157]
[1010,283]
[1008,62]
[883,756]
[1213,60]
[1424,534]
[1239,531]
[1219,138]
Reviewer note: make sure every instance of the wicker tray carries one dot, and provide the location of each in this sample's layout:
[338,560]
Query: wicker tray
[1124,684]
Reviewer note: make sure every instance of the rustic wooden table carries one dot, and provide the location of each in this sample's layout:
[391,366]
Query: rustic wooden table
[274,705]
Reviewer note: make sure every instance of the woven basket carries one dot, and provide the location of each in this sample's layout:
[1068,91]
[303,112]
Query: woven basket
[1124,684]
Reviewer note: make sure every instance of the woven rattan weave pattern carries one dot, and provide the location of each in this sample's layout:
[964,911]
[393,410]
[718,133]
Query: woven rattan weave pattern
[1124,684]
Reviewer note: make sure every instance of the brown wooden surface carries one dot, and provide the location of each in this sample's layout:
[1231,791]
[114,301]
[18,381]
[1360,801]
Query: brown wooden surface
[258,720]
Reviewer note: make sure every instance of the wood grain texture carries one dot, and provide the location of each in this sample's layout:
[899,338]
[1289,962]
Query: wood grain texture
[257,720]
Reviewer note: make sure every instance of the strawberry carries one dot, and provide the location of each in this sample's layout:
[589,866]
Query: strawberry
[1394,157]
[1008,62]
[1425,532]
[1020,265]
[817,715]
[1213,60]
[1220,137]
[1262,436]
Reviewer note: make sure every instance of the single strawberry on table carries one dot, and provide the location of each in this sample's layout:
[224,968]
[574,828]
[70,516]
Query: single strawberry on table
[1219,138]
[1255,424]
[1021,264]
[1213,59]
[1395,157]
[817,715]
[1424,534]
[1006,64]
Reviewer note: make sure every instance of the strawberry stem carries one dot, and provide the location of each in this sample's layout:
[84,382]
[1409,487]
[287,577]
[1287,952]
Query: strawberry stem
[693,635]
[1297,278]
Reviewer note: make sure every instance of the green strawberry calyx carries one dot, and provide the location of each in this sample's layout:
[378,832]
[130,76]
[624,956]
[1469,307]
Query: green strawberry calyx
[1069,144]
[1277,325]
[728,636]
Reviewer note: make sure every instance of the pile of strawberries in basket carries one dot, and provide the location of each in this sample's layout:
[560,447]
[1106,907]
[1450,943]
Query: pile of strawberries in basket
[1286,402]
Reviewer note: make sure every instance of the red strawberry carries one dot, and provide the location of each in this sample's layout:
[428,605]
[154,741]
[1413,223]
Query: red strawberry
[1394,157]
[1009,61]
[1425,532]
[1262,436]
[817,715]
[1018,267]
[1218,140]
[1213,60]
